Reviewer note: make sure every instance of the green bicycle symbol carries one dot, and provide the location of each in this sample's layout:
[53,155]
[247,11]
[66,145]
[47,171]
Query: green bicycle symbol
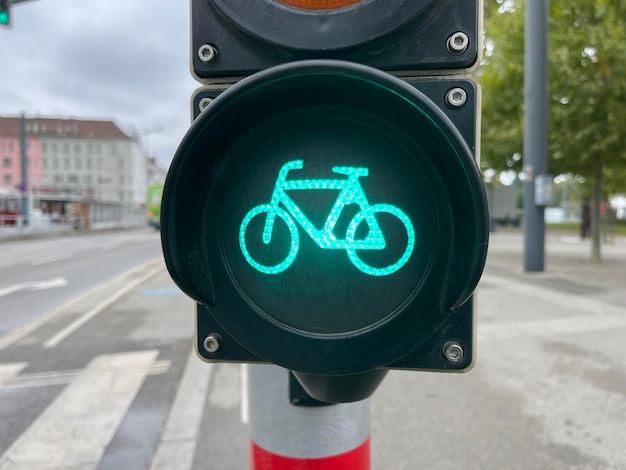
[350,192]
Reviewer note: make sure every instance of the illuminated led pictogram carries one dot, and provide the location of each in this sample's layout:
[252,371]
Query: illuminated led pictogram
[350,192]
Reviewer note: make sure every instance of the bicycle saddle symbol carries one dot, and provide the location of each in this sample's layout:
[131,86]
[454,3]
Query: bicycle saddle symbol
[350,192]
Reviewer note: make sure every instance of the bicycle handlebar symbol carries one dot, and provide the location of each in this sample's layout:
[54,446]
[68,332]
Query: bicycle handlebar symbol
[350,192]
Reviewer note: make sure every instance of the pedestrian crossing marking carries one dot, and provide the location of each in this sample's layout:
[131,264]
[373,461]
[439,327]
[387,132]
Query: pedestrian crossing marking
[178,441]
[44,379]
[10,370]
[74,431]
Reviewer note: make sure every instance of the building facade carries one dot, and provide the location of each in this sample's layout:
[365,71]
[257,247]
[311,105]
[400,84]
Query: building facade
[87,171]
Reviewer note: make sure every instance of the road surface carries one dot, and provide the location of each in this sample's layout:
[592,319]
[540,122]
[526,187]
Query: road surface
[98,372]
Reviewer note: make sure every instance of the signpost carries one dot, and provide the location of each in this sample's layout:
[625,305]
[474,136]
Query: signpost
[327,216]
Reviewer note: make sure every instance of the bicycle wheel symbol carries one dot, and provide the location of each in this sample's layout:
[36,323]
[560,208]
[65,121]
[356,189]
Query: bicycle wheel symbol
[293,230]
[353,246]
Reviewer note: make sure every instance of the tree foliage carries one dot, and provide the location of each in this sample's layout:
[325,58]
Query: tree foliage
[587,57]
[587,60]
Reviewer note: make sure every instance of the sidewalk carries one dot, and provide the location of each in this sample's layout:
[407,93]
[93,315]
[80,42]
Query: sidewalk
[568,265]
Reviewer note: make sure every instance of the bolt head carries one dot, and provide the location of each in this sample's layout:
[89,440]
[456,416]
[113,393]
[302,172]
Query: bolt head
[453,351]
[457,43]
[207,53]
[456,97]
[212,343]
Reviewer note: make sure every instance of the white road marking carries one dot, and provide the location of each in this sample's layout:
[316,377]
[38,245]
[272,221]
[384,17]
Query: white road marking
[74,431]
[35,285]
[10,289]
[80,321]
[10,370]
[111,246]
[43,379]
[19,333]
[178,441]
[50,259]
[245,398]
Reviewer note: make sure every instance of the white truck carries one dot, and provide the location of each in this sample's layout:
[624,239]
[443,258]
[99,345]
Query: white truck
[503,205]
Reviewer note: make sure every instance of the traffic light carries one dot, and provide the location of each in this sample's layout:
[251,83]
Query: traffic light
[326,215]
[234,39]
[5,13]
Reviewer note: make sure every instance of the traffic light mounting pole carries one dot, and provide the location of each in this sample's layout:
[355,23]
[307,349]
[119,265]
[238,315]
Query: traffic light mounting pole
[284,436]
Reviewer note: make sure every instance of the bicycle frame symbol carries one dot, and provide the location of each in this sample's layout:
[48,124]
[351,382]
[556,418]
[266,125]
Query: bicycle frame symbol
[350,192]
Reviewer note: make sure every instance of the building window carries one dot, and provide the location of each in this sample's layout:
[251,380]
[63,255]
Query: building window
[72,179]
[55,148]
[97,149]
[87,179]
[78,163]
[66,149]
[44,147]
[66,161]
[6,162]
[55,163]
[10,146]
[76,148]
[88,163]
[58,179]
[7,179]
[45,163]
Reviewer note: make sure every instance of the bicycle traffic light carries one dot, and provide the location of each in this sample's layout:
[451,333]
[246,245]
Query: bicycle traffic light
[5,13]
[326,215]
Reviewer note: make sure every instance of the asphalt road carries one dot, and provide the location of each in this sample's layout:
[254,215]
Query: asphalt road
[102,375]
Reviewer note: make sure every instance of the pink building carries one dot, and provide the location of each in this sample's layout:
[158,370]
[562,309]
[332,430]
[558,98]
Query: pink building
[10,155]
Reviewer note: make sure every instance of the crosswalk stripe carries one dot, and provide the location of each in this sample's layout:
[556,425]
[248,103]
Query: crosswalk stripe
[10,370]
[178,441]
[60,377]
[74,431]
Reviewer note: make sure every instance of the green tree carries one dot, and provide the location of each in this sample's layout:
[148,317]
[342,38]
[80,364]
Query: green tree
[587,56]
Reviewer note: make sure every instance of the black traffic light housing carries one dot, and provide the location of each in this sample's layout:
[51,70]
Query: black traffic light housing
[322,317]
[232,39]
[327,216]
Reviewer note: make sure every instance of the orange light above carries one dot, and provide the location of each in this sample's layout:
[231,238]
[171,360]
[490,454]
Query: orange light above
[319,4]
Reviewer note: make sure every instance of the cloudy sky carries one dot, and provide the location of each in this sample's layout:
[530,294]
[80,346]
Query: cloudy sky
[125,60]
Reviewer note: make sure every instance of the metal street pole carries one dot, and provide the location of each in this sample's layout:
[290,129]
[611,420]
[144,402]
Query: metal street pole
[535,129]
[288,437]
[24,169]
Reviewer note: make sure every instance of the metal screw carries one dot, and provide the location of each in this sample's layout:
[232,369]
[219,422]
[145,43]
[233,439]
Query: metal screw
[453,351]
[204,103]
[212,343]
[456,97]
[457,43]
[207,53]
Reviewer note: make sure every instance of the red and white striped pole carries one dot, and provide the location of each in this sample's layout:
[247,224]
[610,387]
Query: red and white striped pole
[288,437]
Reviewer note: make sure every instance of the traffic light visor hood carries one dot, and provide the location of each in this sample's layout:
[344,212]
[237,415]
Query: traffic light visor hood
[319,208]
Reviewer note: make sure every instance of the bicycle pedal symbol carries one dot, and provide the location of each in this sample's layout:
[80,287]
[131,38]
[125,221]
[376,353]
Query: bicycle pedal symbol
[350,192]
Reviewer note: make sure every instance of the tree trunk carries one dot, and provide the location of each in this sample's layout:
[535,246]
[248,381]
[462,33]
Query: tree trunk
[595,210]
